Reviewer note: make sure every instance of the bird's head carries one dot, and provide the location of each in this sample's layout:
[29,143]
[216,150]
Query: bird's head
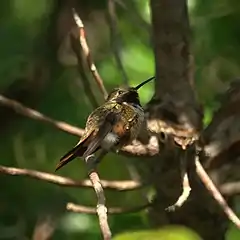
[128,95]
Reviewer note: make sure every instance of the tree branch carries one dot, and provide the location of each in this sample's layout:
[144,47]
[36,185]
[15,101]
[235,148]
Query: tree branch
[86,51]
[227,189]
[101,208]
[215,193]
[31,113]
[186,188]
[137,149]
[89,210]
[127,185]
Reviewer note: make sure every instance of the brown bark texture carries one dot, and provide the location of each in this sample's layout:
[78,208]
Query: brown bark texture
[175,116]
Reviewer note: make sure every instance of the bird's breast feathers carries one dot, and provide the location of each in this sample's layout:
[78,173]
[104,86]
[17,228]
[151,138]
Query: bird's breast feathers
[110,141]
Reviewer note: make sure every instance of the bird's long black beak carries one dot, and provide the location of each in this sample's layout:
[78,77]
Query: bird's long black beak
[143,83]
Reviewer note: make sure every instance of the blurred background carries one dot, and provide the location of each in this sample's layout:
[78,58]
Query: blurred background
[38,68]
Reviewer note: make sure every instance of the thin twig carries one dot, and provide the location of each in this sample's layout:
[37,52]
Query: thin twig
[115,39]
[90,210]
[81,70]
[31,113]
[87,54]
[215,193]
[68,182]
[186,189]
[101,207]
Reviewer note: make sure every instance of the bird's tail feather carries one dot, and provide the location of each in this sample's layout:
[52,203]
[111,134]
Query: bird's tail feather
[78,150]
[84,149]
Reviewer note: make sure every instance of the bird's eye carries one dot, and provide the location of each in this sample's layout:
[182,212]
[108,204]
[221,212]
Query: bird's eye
[120,92]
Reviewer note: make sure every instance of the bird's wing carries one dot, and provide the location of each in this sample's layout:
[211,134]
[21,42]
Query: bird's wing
[105,128]
[91,141]
[78,150]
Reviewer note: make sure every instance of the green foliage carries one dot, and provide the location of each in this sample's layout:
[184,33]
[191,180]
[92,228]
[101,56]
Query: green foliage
[216,45]
[166,233]
[233,233]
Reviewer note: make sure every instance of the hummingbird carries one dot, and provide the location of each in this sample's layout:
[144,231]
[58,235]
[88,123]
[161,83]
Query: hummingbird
[112,125]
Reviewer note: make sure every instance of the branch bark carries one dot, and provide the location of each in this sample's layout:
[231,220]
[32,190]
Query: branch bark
[101,200]
[86,51]
[90,210]
[33,114]
[127,185]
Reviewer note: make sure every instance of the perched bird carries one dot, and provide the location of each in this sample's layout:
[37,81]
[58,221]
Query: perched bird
[112,125]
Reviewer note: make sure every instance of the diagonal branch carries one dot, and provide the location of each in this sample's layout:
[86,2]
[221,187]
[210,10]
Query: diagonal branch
[115,38]
[127,185]
[31,113]
[87,54]
[215,193]
[81,70]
